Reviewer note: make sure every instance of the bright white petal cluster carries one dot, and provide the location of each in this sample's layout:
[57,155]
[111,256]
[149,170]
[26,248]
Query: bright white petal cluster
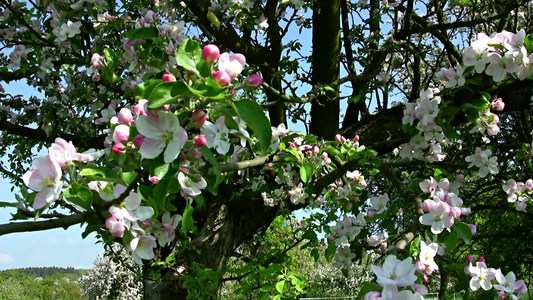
[161,133]
[396,272]
[45,179]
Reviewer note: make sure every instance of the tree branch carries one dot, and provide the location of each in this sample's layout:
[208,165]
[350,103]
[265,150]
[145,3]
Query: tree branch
[44,225]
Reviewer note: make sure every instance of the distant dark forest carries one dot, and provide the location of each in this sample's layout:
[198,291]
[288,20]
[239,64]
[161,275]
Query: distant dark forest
[46,271]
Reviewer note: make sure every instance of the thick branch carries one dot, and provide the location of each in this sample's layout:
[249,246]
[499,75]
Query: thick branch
[44,225]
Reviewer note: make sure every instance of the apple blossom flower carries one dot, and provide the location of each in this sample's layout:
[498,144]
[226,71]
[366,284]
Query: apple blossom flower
[115,225]
[217,135]
[396,272]
[438,216]
[189,186]
[507,283]
[343,257]
[232,65]
[45,179]
[481,276]
[161,133]
[142,248]
[168,228]
[380,203]
[130,209]
[427,255]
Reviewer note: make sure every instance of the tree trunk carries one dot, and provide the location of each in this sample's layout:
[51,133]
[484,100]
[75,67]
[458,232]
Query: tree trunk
[326,50]
[223,226]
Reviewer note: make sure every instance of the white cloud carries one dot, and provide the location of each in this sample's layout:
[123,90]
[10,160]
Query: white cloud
[5,258]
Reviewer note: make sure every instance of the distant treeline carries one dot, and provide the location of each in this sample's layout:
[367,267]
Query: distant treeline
[45,271]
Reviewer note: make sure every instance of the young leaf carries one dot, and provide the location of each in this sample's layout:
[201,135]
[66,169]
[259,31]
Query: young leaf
[254,117]
[166,93]
[190,55]
[463,232]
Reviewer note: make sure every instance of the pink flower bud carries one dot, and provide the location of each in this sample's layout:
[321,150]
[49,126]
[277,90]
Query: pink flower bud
[125,116]
[138,140]
[95,77]
[254,81]
[147,223]
[115,226]
[316,150]
[465,211]
[154,179]
[520,206]
[469,258]
[356,138]
[529,184]
[222,78]
[141,108]
[420,267]
[372,295]
[327,161]
[292,145]
[481,259]
[200,141]
[372,212]
[166,227]
[501,295]
[191,75]
[199,117]
[472,228]
[498,105]
[339,138]
[269,165]
[118,148]
[210,53]
[194,154]
[167,77]
[121,133]
[425,207]
[425,278]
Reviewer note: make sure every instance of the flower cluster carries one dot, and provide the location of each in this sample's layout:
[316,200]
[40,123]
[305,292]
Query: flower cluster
[443,207]
[488,278]
[501,54]
[424,111]
[485,161]
[518,192]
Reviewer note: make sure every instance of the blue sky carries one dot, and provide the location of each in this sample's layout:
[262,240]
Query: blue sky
[58,247]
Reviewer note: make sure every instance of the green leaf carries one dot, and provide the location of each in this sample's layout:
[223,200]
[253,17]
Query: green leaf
[528,41]
[93,171]
[145,33]
[315,254]
[212,180]
[79,195]
[128,177]
[209,89]
[306,171]
[463,232]
[166,93]
[187,223]
[281,286]
[9,204]
[451,241]
[368,287]
[160,193]
[190,55]
[144,90]
[330,251]
[256,119]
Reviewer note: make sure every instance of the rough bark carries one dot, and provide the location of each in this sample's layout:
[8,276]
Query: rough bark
[325,108]
[225,224]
